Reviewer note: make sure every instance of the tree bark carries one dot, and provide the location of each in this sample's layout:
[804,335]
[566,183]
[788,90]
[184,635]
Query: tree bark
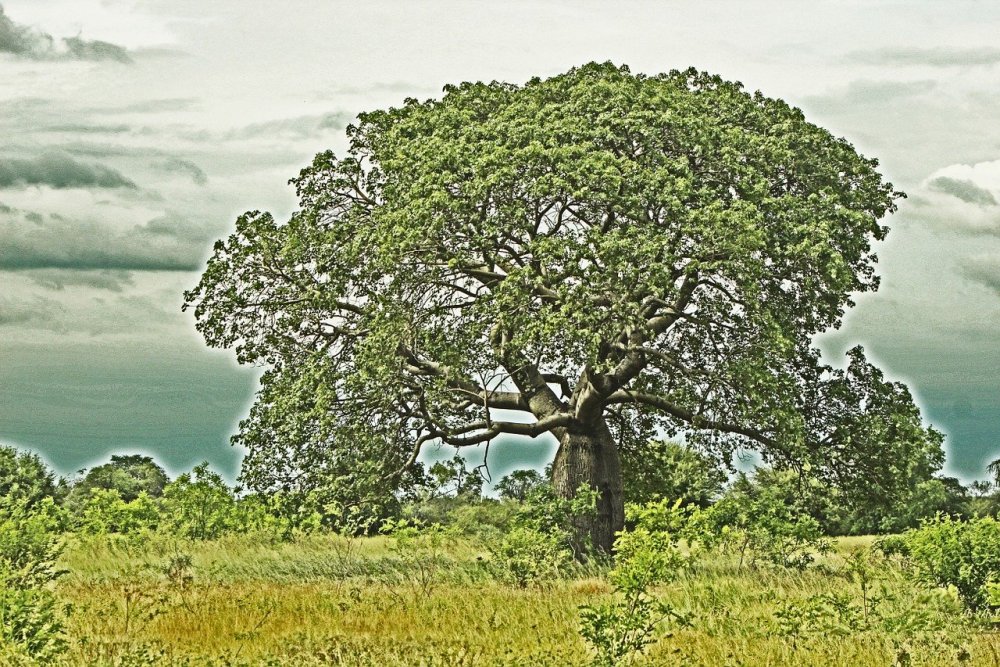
[588,455]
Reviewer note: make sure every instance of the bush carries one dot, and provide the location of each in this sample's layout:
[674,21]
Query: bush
[25,481]
[545,511]
[519,484]
[31,622]
[199,505]
[421,551]
[106,512]
[129,475]
[765,524]
[526,555]
[645,557]
[963,554]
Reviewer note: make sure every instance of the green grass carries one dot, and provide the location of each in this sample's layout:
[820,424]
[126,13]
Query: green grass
[327,600]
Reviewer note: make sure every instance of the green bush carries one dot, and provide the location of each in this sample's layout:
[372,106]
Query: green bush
[764,523]
[963,554]
[106,512]
[199,504]
[644,557]
[31,621]
[665,469]
[526,555]
[128,474]
[519,484]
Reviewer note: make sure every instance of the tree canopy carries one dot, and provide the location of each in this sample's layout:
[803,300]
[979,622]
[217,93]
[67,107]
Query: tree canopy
[128,474]
[25,480]
[598,255]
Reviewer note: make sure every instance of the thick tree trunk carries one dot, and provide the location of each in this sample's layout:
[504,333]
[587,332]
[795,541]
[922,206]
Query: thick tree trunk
[589,456]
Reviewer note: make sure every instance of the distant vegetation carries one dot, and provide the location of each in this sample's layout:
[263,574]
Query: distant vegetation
[124,566]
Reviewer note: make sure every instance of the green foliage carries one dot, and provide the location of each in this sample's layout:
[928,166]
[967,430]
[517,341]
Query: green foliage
[545,511]
[31,619]
[25,480]
[107,512]
[543,248]
[421,550]
[484,517]
[673,519]
[200,505]
[32,622]
[537,542]
[929,497]
[30,543]
[964,554]
[453,477]
[644,557]
[524,555]
[666,469]
[764,523]
[128,474]
[519,484]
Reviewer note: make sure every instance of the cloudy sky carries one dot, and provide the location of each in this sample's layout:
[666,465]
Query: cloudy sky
[133,132]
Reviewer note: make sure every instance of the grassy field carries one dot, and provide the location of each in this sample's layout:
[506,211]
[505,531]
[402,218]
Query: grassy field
[330,600]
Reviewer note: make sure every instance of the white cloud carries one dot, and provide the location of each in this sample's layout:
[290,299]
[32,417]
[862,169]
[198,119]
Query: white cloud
[960,198]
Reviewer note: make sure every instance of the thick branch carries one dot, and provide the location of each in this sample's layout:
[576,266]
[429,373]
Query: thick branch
[695,420]
[487,431]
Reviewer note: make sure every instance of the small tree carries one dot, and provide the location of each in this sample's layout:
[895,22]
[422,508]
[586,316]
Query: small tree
[199,504]
[519,484]
[31,620]
[768,517]
[106,512]
[454,478]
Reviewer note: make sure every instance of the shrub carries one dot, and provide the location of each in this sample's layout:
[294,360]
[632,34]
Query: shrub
[25,480]
[545,511]
[199,504]
[129,475]
[526,555]
[31,621]
[519,484]
[764,524]
[645,556]
[421,551]
[106,512]
[963,554]
[665,469]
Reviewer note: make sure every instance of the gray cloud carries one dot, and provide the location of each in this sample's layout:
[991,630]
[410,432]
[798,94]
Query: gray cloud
[26,42]
[178,165]
[985,270]
[866,93]
[959,198]
[81,128]
[59,170]
[166,243]
[21,40]
[155,105]
[965,190]
[301,127]
[35,312]
[113,280]
[934,57]
[96,50]
[383,86]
